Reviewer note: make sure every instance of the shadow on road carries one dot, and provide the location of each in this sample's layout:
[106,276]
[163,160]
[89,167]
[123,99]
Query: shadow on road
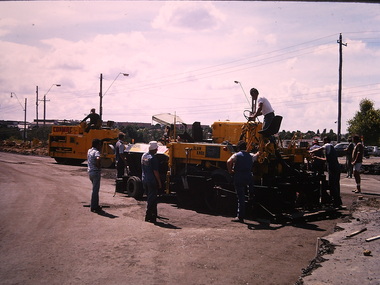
[103,212]
[161,222]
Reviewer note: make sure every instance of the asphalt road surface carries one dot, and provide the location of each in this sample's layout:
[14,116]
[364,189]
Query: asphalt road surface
[49,236]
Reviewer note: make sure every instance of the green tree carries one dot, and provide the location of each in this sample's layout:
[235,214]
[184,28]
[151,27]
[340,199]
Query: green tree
[366,123]
[41,133]
[332,135]
[286,135]
[6,133]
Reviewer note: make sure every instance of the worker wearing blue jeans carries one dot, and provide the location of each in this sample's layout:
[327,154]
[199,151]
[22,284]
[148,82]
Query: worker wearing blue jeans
[240,165]
[151,180]
[93,169]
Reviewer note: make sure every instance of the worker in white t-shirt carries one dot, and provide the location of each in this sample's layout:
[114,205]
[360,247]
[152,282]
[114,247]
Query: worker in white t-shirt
[265,109]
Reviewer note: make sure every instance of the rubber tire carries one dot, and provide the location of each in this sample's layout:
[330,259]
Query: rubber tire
[134,187]
[68,161]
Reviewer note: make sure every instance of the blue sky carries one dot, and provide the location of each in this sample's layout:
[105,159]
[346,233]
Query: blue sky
[183,57]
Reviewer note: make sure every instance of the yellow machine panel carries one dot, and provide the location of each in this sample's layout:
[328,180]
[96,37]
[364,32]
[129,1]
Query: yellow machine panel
[226,131]
[199,151]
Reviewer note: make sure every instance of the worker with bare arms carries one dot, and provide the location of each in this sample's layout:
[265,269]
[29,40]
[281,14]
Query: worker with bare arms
[265,109]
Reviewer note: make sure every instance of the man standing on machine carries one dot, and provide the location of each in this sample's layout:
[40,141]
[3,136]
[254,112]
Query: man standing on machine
[264,108]
[95,121]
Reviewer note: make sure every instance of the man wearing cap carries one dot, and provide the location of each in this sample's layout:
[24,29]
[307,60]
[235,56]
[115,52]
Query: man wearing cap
[317,166]
[151,180]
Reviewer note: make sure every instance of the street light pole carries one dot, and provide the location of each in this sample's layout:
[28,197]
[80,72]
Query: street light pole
[25,120]
[101,95]
[58,85]
[37,105]
[24,109]
[238,82]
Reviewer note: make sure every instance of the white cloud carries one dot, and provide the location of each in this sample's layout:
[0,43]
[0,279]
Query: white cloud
[188,17]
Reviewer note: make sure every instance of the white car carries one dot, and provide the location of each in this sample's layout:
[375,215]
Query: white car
[373,150]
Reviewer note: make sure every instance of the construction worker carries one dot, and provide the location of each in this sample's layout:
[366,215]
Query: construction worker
[94,168]
[264,108]
[120,157]
[95,121]
[240,165]
[357,160]
[151,180]
[333,166]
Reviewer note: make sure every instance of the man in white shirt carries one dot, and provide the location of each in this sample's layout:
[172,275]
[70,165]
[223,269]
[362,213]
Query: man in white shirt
[265,109]
[93,169]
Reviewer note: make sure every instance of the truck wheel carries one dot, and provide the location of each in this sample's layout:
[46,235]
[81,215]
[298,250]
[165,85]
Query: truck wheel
[60,160]
[68,161]
[134,187]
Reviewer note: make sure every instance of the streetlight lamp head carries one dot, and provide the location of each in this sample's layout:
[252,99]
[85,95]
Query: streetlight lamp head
[58,85]
[125,74]
[237,82]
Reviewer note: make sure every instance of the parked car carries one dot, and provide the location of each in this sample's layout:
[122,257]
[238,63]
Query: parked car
[373,150]
[366,152]
[340,148]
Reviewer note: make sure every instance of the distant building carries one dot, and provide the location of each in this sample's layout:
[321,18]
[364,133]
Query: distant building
[137,124]
[9,124]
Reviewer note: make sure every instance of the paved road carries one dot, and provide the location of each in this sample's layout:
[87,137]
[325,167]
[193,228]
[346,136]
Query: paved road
[49,236]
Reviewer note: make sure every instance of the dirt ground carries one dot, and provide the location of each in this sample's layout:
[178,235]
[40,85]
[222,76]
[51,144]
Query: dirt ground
[350,255]
[49,236]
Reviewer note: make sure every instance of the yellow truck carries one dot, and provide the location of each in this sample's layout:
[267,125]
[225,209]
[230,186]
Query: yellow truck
[69,144]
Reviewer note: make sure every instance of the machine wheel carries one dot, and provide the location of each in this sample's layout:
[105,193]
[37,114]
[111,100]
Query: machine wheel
[212,200]
[60,160]
[106,162]
[134,187]
[68,161]
[213,196]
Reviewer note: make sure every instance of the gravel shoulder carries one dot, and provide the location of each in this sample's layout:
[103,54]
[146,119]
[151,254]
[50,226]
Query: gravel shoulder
[347,256]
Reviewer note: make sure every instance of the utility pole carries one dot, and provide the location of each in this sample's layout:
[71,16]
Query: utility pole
[24,109]
[37,105]
[101,96]
[25,120]
[44,100]
[45,109]
[340,86]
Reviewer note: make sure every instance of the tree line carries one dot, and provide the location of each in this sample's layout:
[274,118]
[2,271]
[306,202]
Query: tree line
[365,123]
